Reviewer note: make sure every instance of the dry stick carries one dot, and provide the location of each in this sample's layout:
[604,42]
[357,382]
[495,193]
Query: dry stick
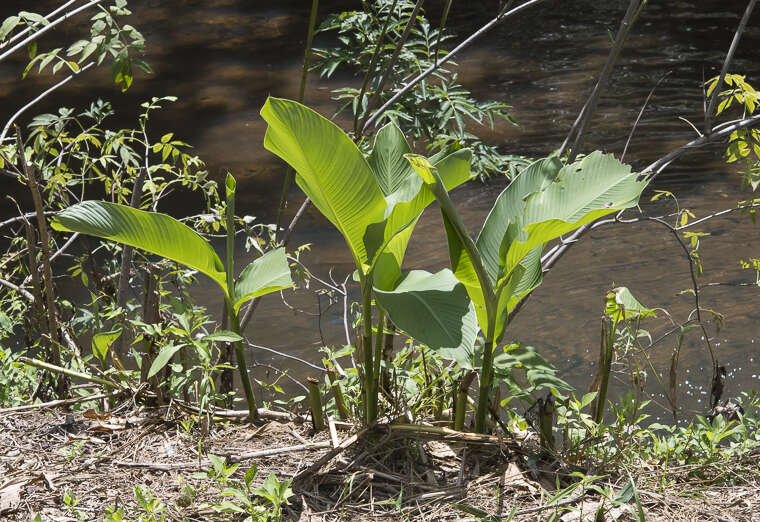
[579,126]
[230,458]
[727,64]
[301,93]
[503,15]
[62,402]
[389,67]
[47,271]
[324,459]
[243,414]
[442,433]
[641,113]
[69,373]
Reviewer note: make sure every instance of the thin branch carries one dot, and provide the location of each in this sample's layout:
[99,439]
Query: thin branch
[718,132]
[466,43]
[25,293]
[372,64]
[28,28]
[579,126]
[301,91]
[641,113]
[21,218]
[39,98]
[47,28]
[727,64]
[287,356]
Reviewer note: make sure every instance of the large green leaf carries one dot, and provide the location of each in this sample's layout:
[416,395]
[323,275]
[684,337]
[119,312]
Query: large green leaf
[394,175]
[584,191]
[454,169]
[330,169]
[509,207]
[163,357]
[461,263]
[432,308]
[151,231]
[266,274]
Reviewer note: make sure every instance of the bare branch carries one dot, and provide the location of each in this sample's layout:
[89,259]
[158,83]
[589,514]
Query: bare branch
[579,126]
[727,64]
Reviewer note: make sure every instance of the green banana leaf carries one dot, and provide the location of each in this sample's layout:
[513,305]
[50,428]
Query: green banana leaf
[409,199]
[433,309]
[549,202]
[583,192]
[154,232]
[330,169]
[265,274]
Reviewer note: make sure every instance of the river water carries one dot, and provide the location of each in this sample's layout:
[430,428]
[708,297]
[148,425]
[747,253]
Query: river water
[223,57]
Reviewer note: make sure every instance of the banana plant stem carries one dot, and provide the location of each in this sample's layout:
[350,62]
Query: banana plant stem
[370,398]
[486,377]
[486,383]
[234,313]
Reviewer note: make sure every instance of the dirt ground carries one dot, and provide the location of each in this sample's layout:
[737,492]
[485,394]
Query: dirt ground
[94,461]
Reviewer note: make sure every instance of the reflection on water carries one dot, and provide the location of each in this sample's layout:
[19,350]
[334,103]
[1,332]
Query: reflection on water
[222,58]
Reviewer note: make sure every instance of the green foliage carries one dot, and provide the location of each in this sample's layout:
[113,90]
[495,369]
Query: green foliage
[743,144]
[17,380]
[163,235]
[439,112]
[241,496]
[109,38]
[546,201]
[376,213]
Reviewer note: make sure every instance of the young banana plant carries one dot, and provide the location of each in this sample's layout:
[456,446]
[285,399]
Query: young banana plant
[375,202]
[164,236]
[544,202]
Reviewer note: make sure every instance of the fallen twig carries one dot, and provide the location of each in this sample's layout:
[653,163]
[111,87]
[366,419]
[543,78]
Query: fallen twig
[62,402]
[70,373]
[160,466]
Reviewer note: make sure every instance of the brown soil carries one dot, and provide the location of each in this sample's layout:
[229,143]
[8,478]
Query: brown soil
[379,474]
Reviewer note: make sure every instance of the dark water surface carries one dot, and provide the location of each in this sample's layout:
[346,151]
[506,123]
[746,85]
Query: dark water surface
[222,58]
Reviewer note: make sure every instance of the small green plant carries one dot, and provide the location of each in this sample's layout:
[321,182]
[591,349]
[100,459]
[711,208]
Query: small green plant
[276,493]
[548,199]
[242,496]
[70,501]
[152,508]
[163,235]
[219,472]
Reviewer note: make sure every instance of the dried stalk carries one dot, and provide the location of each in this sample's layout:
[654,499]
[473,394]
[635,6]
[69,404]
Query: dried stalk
[47,271]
